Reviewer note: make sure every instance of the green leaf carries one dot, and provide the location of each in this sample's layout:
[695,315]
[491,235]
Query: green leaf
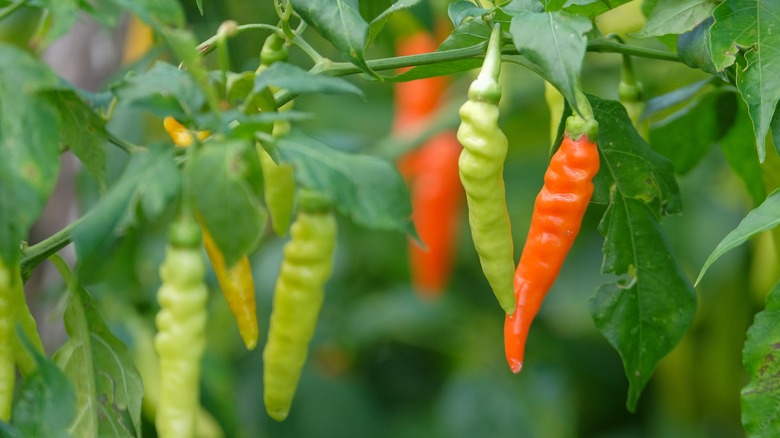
[184,45]
[461,10]
[156,13]
[164,90]
[108,386]
[693,48]
[199,3]
[150,180]
[629,163]
[368,190]
[759,397]
[688,135]
[29,146]
[674,97]
[737,147]
[751,26]
[225,197]
[63,15]
[591,8]
[644,315]
[378,23]
[514,6]
[556,43]
[82,132]
[762,218]
[46,406]
[339,21]
[675,17]
[469,34]
[298,81]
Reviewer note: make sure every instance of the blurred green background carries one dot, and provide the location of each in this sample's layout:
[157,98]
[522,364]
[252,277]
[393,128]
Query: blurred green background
[384,363]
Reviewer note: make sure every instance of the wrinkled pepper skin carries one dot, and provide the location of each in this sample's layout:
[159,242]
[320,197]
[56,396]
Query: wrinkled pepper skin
[180,340]
[481,166]
[555,223]
[298,296]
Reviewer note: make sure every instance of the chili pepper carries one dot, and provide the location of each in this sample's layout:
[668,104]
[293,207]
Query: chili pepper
[182,137]
[298,295]
[432,173]
[7,370]
[237,286]
[236,282]
[555,222]
[481,166]
[278,179]
[181,323]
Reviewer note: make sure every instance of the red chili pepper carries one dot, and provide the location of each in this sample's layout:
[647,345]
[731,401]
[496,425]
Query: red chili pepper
[555,222]
[431,171]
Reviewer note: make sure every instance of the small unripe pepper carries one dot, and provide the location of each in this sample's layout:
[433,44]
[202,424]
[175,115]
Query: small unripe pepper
[481,166]
[298,296]
[7,370]
[558,212]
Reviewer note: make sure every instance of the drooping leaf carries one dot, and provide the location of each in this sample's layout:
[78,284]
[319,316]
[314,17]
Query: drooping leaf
[339,21]
[750,27]
[674,97]
[675,17]
[29,146]
[644,314]
[764,217]
[759,397]
[164,90]
[82,132]
[688,135]
[225,198]
[556,43]
[108,386]
[199,4]
[298,81]
[46,403]
[737,147]
[378,23]
[368,190]
[150,180]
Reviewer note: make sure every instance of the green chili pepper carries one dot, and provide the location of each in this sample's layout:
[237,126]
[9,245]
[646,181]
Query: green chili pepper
[181,323]
[298,295]
[7,370]
[481,166]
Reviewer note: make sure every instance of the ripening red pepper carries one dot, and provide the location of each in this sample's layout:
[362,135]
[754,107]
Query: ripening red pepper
[431,171]
[557,215]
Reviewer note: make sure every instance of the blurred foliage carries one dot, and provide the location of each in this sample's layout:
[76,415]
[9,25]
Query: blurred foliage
[384,363]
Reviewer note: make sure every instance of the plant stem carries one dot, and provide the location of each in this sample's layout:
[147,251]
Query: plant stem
[33,255]
[13,7]
[210,44]
[124,145]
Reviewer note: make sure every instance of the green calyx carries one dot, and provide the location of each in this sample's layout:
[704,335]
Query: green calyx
[184,232]
[630,92]
[486,88]
[582,123]
[312,201]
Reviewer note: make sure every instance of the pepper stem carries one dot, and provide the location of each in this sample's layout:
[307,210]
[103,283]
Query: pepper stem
[582,122]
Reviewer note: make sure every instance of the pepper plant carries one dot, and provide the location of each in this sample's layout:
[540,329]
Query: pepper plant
[238,120]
